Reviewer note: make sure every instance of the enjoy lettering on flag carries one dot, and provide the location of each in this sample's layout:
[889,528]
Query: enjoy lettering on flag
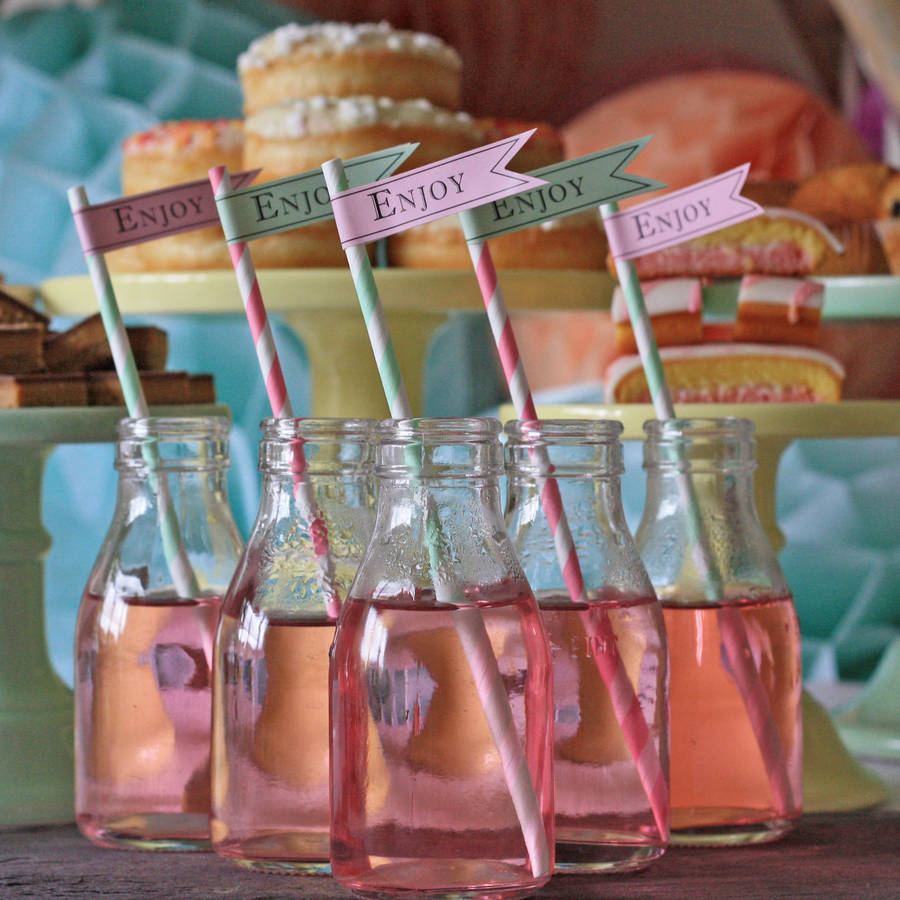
[298,200]
[137,218]
[572,186]
[441,188]
[684,214]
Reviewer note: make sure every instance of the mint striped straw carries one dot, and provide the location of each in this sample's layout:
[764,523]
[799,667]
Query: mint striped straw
[176,556]
[277,392]
[468,620]
[731,626]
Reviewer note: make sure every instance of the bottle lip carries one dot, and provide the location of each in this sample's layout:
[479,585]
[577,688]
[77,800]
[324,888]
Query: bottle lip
[319,429]
[175,428]
[707,427]
[587,431]
[187,443]
[439,448]
[435,430]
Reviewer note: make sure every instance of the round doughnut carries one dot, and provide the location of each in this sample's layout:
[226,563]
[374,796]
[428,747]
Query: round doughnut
[337,59]
[172,153]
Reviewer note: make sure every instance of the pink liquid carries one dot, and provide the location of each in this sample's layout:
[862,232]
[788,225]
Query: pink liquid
[419,800]
[270,755]
[142,721]
[604,822]
[722,791]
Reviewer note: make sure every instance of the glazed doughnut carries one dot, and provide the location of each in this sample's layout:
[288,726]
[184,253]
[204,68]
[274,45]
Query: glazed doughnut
[849,193]
[172,153]
[300,135]
[888,224]
[336,59]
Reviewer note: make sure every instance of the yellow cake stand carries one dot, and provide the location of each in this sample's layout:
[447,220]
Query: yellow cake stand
[833,779]
[36,762]
[322,307]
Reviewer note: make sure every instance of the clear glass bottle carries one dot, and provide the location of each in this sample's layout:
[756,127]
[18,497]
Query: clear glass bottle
[611,738]
[270,807]
[441,705]
[734,638]
[144,638]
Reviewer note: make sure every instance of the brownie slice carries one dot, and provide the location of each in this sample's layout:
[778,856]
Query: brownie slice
[45,389]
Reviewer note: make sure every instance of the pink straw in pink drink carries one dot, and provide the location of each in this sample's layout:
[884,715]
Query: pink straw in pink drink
[609,663]
[277,392]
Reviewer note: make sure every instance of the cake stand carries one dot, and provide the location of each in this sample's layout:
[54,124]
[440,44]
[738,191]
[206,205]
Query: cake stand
[36,747]
[322,307]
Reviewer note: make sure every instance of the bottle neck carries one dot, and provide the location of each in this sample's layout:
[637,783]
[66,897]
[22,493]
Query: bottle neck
[585,459]
[700,535]
[438,520]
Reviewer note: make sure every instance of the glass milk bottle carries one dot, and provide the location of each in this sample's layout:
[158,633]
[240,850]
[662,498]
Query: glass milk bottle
[144,638]
[270,806]
[441,684]
[734,639]
[609,647]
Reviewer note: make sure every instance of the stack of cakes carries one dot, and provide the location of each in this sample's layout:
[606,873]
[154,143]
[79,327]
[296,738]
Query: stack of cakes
[315,92]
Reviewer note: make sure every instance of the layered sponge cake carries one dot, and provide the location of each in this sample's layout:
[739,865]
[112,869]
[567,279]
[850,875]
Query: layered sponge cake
[337,59]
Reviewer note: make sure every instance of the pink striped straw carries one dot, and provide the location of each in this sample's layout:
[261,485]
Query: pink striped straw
[277,392]
[609,663]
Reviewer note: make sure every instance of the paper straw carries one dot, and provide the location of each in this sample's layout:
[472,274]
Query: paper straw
[609,663]
[277,392]
[731,625]
[176,556]
[468,620]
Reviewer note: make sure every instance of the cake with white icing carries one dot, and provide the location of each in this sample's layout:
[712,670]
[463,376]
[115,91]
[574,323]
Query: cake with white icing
[337,59]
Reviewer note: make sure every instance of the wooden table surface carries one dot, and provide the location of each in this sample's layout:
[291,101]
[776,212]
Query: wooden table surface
[837,855]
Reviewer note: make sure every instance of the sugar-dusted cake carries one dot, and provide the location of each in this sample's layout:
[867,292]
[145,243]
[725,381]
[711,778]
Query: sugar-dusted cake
[338,59]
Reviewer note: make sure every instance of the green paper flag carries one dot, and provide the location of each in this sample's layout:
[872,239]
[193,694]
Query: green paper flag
[572,186]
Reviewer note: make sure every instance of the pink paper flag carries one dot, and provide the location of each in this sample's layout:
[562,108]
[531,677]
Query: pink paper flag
[448,186]
[154,214]
[677,217]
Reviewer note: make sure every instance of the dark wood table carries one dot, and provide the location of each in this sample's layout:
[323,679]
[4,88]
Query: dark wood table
[838,855]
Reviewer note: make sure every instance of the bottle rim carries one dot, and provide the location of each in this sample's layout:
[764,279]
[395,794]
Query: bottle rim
[318,428]
[439,448]
[172,443]
[594,431]
[176,428]
[701,426]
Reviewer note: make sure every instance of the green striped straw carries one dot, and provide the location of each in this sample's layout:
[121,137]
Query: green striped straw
[173,548]
[467,619]
[731,625]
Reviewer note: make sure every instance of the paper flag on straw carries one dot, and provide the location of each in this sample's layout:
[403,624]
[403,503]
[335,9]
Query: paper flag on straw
[298,200]
[144,217]
[430,192]
[572,186]
[681,215]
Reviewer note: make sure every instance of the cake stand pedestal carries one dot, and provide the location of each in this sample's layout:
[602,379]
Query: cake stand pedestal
[36,746]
